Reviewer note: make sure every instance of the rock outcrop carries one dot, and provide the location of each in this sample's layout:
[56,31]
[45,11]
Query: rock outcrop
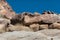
[28,26]
[31,22]
[37,21]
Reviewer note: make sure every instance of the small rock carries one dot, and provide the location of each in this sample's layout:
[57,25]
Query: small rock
[43,26]
[34,27]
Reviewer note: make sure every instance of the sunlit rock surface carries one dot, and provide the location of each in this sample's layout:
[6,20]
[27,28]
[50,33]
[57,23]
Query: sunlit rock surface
[52,34]
[28,26]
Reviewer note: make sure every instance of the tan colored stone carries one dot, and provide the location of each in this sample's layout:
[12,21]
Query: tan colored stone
[49,18]
[2,28]
[18,27]
[5,9]
[43,26]
[23,35]
[55,26]
[34,27]
[4,23]
[37,14]
[29,19]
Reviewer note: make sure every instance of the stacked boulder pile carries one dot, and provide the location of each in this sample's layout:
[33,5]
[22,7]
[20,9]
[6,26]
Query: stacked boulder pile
[36,22]
[30,22]
[29,26]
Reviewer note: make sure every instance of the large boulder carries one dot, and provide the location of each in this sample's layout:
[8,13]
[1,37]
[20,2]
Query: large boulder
[3,28]
[16,19]
[19,18]
[4,21]
[4,24]
[32,19]
[49,18]
[55,26]
[26,18]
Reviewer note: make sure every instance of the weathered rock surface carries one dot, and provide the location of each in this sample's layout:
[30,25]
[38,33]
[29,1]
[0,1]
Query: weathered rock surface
[27,26]
[49,18]
[19,27]
[45,21]
[16,19]
[29,19]
[23,36]
[55,26]
[34,27]
[50,34]
[4,24]
[43,26]
[4,21]
[33,22]
[6,9]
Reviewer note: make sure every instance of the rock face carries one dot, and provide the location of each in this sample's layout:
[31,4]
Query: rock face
[52,34]
[23,36]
